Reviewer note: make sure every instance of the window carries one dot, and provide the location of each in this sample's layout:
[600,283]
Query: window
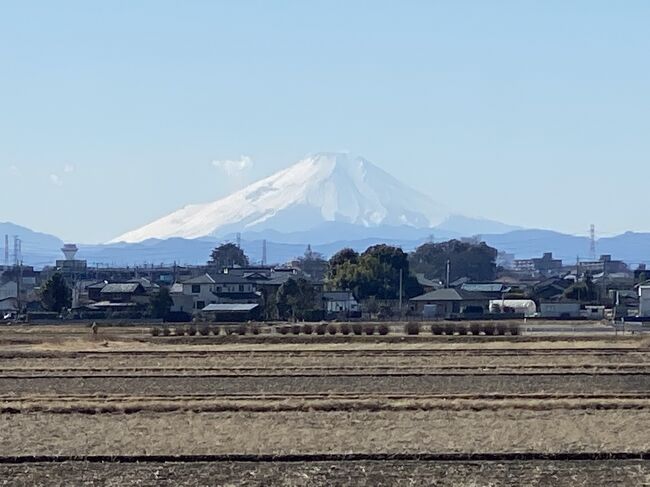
[200,304]
[241,288]
[196,288]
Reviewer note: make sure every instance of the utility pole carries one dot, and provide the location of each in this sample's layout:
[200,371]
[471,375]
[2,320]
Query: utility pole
[19,282]
[448,274]
[401,289]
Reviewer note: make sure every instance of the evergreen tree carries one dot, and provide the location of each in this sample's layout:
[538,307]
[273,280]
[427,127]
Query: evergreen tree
[160,303]
[228,255]
[56,295]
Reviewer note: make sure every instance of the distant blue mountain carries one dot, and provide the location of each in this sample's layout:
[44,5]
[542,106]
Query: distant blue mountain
[41,249]
[38,248]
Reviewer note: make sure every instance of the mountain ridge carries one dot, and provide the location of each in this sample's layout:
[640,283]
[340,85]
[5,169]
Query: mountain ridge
[319,188]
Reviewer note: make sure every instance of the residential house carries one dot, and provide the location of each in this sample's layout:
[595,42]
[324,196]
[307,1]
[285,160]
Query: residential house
[197,294]
[428,285]
[340,302]
[124,292]
[493,290]
[449,301]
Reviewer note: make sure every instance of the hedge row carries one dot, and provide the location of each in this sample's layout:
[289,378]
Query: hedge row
[333,329]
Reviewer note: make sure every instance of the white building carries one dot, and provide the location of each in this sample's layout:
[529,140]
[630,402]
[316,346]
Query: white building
[339,301]
[644,300]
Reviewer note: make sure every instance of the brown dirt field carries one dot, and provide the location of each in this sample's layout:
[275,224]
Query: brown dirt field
[326,474]
[432,384]
[64,393]
[507,430]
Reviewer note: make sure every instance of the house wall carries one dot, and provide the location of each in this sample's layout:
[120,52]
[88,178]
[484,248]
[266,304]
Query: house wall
[559,310]
[445,308]
[200,299]
[644,301]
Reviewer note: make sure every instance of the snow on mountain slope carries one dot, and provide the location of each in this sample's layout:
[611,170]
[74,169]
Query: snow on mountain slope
[320,188]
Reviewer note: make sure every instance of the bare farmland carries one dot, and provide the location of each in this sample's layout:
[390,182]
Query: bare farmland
[333,412]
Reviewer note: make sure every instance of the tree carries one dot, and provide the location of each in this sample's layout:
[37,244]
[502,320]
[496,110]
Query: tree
[295,297]
[312,264]
[228,255]
[56,295]
[160,303]
[467,259]
[584,291]
[376,273]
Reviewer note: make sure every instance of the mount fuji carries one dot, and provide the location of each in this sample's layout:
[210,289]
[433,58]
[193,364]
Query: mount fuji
[323,189]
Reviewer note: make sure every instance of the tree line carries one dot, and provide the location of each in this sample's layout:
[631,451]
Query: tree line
[378,273]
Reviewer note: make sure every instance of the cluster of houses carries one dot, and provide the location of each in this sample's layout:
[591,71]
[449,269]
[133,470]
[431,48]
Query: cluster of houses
[531,288]
[538,288]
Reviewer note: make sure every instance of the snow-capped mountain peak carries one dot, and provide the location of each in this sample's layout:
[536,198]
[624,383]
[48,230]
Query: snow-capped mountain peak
[320,188]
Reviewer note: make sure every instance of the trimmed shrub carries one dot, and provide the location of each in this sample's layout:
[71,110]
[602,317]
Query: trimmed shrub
[307,329]
[357,329]
[282,330]
[489,330]
[331,329]
[166,331]
[190,330]
[383,329]
[204,330]
[179,331]
[295,329]
[321,329]
[450,328]
[462,329]
[437,329]
[475,328]
[345,329]
[255,329]
[369,329]
[412,328]
[501,328]
[155,331]
[514,330]
[240,329]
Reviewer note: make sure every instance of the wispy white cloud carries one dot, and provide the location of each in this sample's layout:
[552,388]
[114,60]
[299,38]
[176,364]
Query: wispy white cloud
[69,168]
[56,180]
[234,167]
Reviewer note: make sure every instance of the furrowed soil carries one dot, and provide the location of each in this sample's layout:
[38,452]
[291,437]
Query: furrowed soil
[76,409]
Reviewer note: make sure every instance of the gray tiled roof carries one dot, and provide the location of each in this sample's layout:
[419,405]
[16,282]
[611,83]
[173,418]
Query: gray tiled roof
[450,294]
[241,307]
[121,287]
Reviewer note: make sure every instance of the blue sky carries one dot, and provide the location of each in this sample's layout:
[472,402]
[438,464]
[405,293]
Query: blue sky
[534,113]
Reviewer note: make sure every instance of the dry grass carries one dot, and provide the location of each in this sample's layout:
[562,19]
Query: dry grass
[507,430]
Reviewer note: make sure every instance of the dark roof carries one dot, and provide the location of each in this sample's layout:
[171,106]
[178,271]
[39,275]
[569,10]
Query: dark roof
[237,295]
[146,283]
[450,294]
[423,281]
[121,287]
[229,279]
[489,287]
